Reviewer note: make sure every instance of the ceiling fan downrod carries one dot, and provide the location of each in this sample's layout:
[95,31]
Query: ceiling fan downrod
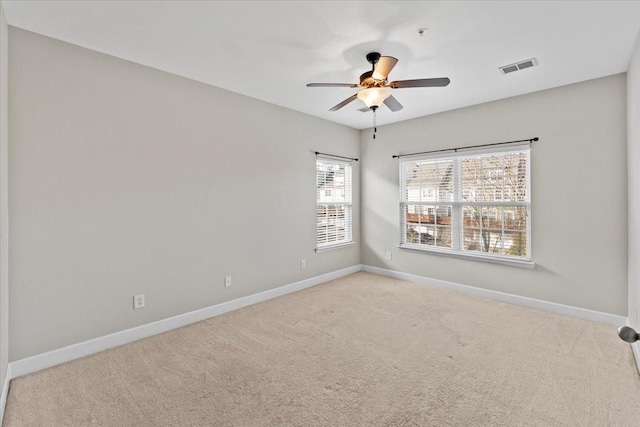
[373,58]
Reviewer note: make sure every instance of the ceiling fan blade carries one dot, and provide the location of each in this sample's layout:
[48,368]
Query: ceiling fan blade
[345,102]
[393,104]
[437,82]
[332,85]
[383,67]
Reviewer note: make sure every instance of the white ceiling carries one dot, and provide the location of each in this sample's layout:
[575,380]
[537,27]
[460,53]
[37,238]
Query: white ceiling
[270,49]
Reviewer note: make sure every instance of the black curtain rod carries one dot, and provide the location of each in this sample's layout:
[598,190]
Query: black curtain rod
[333,155]
[397,156]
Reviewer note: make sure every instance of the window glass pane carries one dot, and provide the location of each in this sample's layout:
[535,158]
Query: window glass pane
[333,224]
[411,234]
[478,222]
[472,216]
[443,214]
[483,240]
[429,224]
[421,234]
[443,236]
[515,176]
[515,217]
[491,217]
[472,239]
[471,178]
[515,243]
[428,180]
[495,177]
[495,229]
[420,214]
[333,182]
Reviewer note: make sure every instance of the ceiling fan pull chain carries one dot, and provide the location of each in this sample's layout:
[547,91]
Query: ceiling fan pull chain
[375,128]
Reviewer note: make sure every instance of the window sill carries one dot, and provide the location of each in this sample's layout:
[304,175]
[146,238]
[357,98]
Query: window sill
[333,247]
[473,257]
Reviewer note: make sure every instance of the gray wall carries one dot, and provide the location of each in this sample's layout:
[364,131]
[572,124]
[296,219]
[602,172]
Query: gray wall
[126,180]
[633,164]
[579,192]
[4,220]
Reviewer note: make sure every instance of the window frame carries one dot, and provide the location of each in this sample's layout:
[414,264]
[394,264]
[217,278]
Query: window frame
[345,190]
[457,203]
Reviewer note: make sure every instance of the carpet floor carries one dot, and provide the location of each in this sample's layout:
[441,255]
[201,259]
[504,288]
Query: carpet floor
[363,350]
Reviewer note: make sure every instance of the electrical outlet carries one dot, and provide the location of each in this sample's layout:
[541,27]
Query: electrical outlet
[227,281]
[138,302]
[303,264]
[389,256]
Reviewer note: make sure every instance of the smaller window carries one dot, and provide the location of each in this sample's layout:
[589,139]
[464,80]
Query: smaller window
[334,206]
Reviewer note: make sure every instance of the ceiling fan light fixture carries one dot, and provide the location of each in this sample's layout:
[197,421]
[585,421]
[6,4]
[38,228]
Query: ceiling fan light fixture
[374,96]
[375,89]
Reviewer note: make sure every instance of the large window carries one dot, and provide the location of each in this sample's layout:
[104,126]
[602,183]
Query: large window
[475,203]
[334,209]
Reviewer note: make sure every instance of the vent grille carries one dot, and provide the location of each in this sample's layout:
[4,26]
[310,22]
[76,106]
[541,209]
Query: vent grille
[518,66]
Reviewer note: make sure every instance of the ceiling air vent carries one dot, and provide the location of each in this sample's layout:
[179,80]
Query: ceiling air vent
[518,66]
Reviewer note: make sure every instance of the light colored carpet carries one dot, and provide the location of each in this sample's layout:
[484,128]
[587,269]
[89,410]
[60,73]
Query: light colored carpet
[363,350]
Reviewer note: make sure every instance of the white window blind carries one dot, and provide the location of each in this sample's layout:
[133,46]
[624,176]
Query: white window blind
[468,202]
[334,204]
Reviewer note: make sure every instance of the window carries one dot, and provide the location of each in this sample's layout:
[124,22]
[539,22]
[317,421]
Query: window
[334,209]
[481,207]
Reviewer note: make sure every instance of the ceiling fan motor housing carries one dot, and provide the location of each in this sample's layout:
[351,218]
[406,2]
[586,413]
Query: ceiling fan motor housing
[367,80]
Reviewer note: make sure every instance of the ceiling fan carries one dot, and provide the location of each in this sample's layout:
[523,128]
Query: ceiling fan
[375,88]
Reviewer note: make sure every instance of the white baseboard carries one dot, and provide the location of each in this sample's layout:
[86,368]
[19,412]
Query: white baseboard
[55,357]
[567,310]
[5,392]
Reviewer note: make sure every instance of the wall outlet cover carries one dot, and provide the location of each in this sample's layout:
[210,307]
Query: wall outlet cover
[138,302]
